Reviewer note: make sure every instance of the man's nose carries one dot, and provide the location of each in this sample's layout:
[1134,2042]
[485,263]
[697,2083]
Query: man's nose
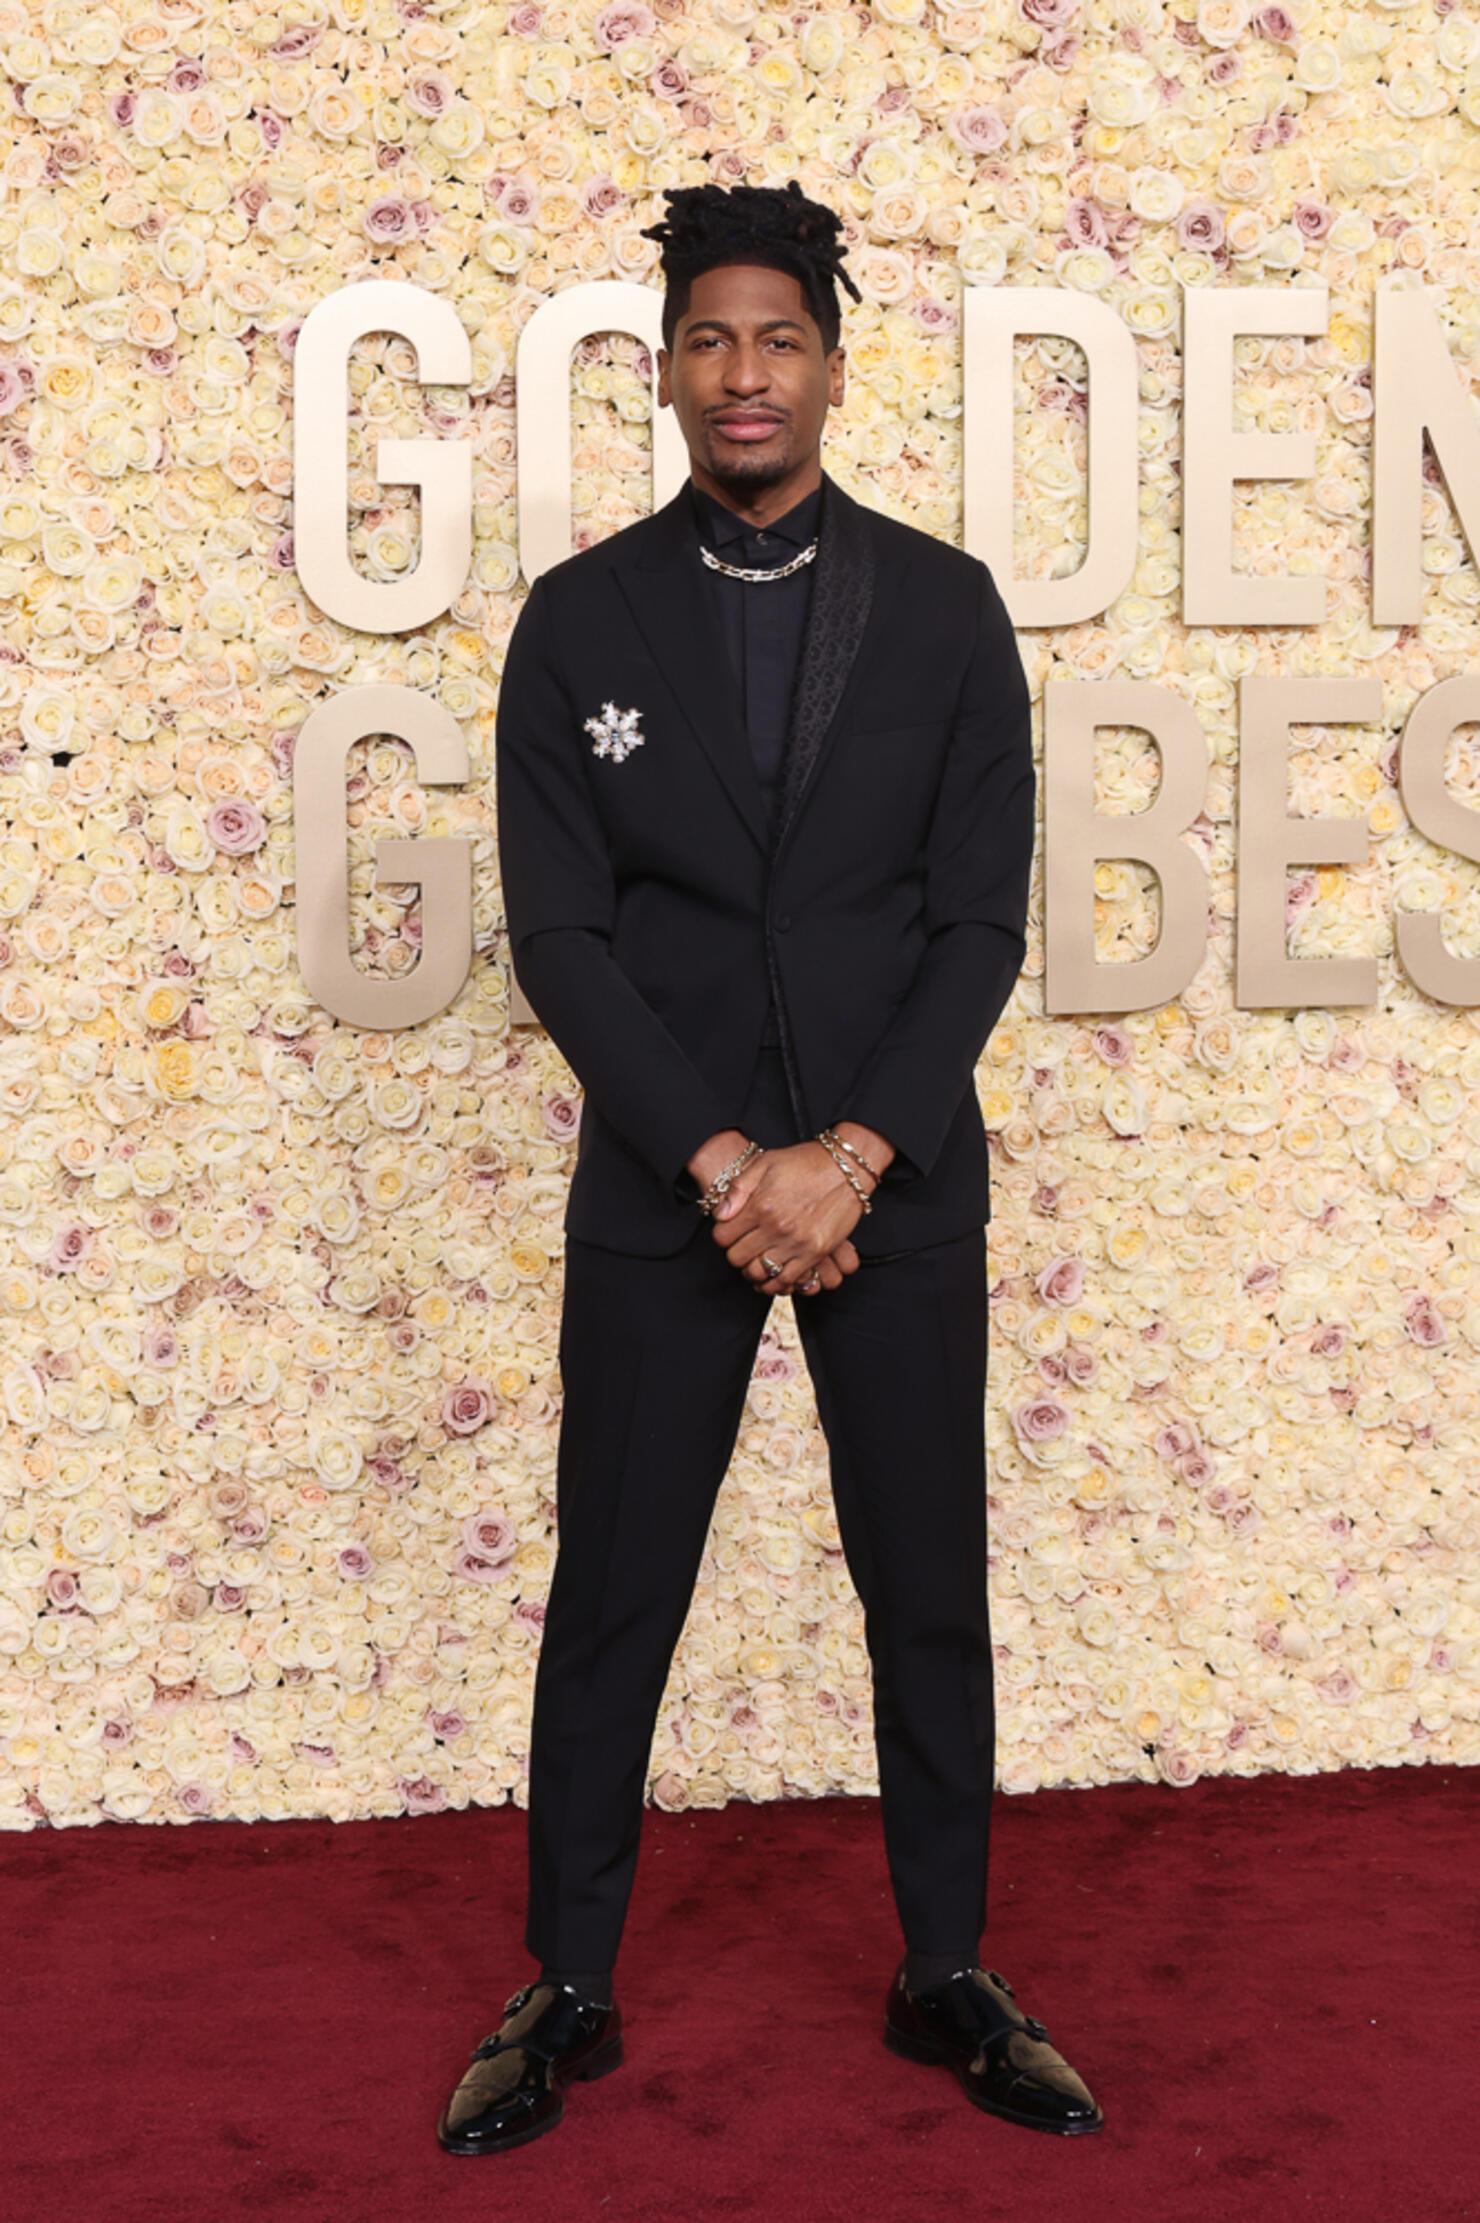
[747,371]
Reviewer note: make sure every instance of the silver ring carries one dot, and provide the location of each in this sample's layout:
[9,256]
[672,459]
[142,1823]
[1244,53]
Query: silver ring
[770,1264]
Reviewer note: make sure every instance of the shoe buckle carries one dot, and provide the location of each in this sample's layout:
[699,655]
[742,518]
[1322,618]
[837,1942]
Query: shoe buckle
[520,1999]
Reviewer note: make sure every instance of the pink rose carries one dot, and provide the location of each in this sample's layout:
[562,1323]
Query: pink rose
[1226,68]
[1423,1322]
[421,1795]
[294,44]
[161,1344]
[669,81]
[524,20]
[1312,219]
[1200,227]
[236,826]
[599,196]
[979,129]
[531,1613]
[1275,23]
[61,1588]
[428,94]
[1061,1281]
[70,1246]
[1039,1419]
[1328,1341]
[389,221]
[447,1725]
[1178,1437]
[1049,15]
[1340,1686]
[196,1798]
[1115,1045]
[467,1406]
[517,201]
[562,1114]
[490,1536]
[355,1563]
[119,109]
[621,20]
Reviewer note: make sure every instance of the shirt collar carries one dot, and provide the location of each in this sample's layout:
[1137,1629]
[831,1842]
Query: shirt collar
[722,528]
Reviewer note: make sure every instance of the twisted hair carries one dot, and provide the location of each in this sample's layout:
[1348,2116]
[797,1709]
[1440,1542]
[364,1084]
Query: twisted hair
[775,225]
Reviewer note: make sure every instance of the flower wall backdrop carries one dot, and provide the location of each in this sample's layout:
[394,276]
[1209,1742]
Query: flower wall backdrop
[279,1298]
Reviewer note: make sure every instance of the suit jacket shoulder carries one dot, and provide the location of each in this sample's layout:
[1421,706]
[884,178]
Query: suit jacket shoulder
[938,562]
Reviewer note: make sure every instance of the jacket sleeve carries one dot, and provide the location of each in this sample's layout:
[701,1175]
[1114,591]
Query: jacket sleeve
[560,907]
[978,869]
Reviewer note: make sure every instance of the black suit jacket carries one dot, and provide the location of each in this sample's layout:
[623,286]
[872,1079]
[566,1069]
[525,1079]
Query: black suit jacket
[649,907]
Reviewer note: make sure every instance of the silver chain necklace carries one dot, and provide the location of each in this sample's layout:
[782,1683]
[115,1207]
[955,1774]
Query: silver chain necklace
[736,571]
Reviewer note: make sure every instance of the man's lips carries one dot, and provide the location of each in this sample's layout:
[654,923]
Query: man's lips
[743,426]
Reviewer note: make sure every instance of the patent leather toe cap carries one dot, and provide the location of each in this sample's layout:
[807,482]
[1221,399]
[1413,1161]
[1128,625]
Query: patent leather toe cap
[513,2088]
[1001,2056]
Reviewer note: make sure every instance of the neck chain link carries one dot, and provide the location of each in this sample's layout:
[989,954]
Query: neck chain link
[737,571]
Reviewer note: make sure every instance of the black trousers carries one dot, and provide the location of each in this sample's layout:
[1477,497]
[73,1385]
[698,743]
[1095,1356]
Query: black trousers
[656,1356]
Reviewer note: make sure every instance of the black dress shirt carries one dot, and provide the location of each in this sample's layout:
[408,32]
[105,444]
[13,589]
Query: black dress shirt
[764,623]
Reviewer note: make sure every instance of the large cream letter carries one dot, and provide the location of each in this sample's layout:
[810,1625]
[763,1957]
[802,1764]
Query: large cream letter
[1417,389]
[994,316]
[1270,840]
[1077,837]
[1214,455]
[1431,724]
[542,408]
[443,469]
[442,868]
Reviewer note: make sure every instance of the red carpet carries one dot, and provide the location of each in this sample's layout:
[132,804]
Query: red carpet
[1271,1985]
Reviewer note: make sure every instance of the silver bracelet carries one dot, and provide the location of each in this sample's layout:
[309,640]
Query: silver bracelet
[827,1140]
[856,1154]
[722,1181]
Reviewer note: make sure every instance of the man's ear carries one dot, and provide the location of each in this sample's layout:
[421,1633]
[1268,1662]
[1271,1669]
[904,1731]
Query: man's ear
[665,365]
[836,377]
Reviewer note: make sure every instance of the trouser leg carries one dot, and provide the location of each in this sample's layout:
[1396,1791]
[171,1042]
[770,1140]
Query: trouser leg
[656,1355]
[898,1361]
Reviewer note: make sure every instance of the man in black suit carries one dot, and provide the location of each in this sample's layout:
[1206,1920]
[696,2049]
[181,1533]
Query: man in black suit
[766,821]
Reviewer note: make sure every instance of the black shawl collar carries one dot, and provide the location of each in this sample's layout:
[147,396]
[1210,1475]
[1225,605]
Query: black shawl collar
[665,586]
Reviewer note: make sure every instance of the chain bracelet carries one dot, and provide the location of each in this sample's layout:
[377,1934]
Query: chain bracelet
[855,1154]
[827,1139]
[722,1181]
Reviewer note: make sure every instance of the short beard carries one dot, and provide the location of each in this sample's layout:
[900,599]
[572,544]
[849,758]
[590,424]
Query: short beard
[748,473]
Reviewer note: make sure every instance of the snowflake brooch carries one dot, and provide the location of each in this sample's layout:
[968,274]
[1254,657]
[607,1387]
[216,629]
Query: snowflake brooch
[615,733]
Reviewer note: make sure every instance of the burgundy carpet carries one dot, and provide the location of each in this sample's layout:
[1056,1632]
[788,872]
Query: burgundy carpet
[1271,1985]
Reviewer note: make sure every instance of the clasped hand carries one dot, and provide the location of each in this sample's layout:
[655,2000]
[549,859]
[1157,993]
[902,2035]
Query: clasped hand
[795,1205]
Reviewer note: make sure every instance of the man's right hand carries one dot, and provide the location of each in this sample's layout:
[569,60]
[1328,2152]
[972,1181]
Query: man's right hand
[714,1155]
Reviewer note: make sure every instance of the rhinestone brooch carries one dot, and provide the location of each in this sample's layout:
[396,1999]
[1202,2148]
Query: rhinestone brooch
[615,733]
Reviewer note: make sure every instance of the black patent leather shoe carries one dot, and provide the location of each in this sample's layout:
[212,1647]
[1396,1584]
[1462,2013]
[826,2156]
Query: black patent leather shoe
[1001,2057]
[515,2087]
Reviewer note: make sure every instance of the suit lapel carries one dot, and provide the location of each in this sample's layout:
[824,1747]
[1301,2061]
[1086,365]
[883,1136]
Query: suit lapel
[667,592]
[837,620]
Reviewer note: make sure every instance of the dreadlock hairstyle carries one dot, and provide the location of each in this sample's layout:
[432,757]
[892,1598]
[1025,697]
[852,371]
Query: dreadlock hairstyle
[706,226]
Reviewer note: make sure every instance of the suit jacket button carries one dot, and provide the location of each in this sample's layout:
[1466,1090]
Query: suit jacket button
[783,922]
